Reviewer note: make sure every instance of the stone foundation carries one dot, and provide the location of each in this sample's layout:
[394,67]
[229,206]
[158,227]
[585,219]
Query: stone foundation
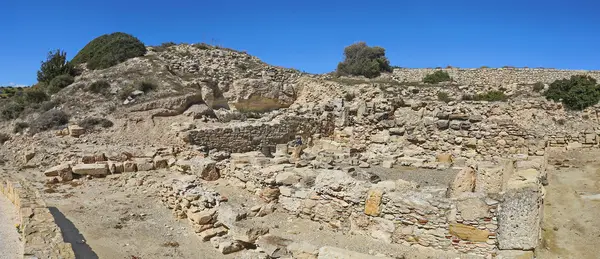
[42,237]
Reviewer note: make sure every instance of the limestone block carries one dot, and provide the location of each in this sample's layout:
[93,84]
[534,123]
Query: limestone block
[144,165]
[373,202]
[247,234]
[489,178]
[472,206]
[63,171]
[444,158]
[228,247]
[76,130]
[160,162]
[470,233]
[203,217]
[91,169]
[206,235]
[281,150]
[129,166]
[463,182]
[520,212]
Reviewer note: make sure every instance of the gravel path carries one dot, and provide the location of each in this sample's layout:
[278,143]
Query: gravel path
[10,245]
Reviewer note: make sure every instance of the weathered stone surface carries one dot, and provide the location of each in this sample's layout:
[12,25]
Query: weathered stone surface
[203,217]
[129,166]
[270,194]
[63,171]
[328,252]
[520,212]
[76,130]
[205,168]
[228,247]
[144,165]
[463,182]
[373,202]
[248,234]
[90,169]
[470,233]
[160,162]
[472,207]
[303,250]
[206,235]
[274,246]
[287,178]
[444,158]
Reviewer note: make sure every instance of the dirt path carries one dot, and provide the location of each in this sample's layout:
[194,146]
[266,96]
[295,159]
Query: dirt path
[10,244]
[571,226]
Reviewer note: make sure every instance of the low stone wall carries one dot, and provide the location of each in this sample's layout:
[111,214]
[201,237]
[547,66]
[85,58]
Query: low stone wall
[493,76]
[41,236]
[254,136]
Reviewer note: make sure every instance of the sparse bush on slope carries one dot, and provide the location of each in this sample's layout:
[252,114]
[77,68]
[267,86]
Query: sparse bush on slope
[362,60]
[49,120]
[109,50]
[576,93]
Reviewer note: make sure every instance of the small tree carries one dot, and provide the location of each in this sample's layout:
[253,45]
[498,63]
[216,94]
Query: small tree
[576,93]
[362,60]
[56,64]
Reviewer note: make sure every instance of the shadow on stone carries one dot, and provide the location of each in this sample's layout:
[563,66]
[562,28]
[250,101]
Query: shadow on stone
[72,236]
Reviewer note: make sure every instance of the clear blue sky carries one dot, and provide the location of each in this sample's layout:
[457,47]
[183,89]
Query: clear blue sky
[310,35]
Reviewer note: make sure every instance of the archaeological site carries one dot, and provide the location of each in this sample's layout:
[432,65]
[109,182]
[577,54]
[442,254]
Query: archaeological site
[200,151]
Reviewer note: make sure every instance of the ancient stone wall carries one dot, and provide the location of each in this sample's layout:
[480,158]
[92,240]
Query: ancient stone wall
[41,236]
[254,136]
[493,76]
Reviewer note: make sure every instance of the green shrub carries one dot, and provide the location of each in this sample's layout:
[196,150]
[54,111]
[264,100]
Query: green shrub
[33,95]
[20,126]
[11,110]
[491,96]
[576,93]
[444,97]
[467,97]
[49,120]
[201,46]
[146,86]
[99,87]
[91,122]
[109,50]
[55,65]
[437,77]
[48,105]
[362,60]
[59,83]
[3,138]
[164,46]
[349,97]
[538,87]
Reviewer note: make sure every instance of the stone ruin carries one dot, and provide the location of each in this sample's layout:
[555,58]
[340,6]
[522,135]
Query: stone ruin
[362,167]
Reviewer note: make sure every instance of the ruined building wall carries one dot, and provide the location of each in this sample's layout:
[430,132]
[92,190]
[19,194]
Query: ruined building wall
[253,136]
[493,76]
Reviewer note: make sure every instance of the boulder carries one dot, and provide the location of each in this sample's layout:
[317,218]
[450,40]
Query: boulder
[247,234]
[203,217]
[91,169]
[228,247]
[274,246]
[270,194]
[144,165]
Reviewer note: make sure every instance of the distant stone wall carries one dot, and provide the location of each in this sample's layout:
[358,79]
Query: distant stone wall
[493,76]
[41,236]
[247,137]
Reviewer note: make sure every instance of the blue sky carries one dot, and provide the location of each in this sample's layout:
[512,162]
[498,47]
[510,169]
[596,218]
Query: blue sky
[310,35]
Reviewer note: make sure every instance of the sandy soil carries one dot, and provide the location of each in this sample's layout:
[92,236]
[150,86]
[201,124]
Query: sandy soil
[104,218]
[571,227]
[10,244]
